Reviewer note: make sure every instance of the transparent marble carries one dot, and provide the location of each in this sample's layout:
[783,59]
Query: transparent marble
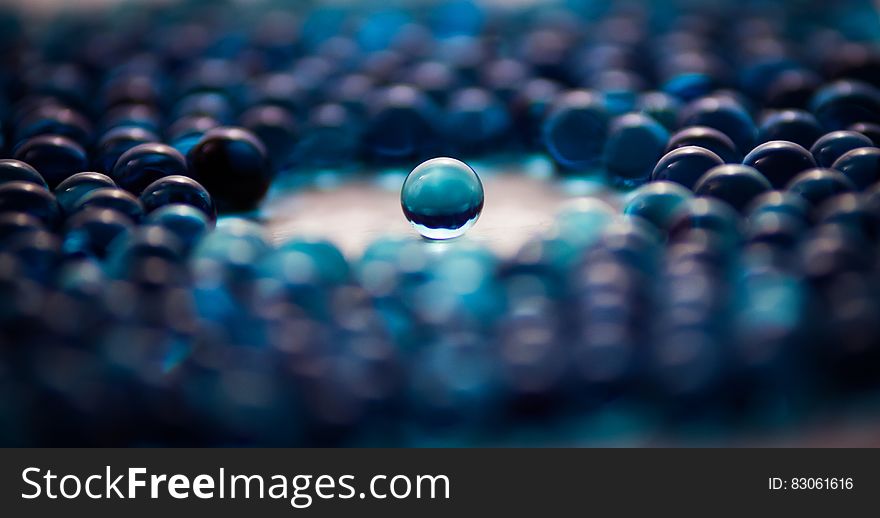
[442,198]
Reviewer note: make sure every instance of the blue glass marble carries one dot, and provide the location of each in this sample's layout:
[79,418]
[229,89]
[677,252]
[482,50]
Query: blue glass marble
[38,252]
[211,104]
[179,190]
[781,202]
[832,146]
[780,161]
[861,166]
[233,165]
[145,163]
[402,124]
[131,253]
[707,214]
[53,119]
[636,240]
[792,89]
[89,232]
[529,107]
[330,140]
[660,106]
[78,185]
[832,250]
[659,202]
[12,223]
[475,120]
[504,77]
[853,211]
[583,220]
[724,114]
[442,198]
[30,198]
[55,157]
[633,131]
[709,138]
[868,129]
[685,165]
[735,184]
[112,198]
[188,223]
[15,170]
[131,116]
[112,144]
[843,103]
[276,128]
[689,86]
[818,185]
[776,229]
[575,129]
[186,132]
[327,267]
[795,126]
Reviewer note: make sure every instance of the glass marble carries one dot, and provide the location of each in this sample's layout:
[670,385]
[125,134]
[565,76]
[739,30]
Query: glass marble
[709,138]
[54,156]
[442,198]
[330,266]
[276,128]
[832,146]
[861,166]
[575,129]
[818,185]
[710,215]
[331,140]
[211,104]
[685,165]
[131,116]
[39,253]
[853,211]
[30,198]
[112,144]
[795,126]
[776,229]
[659,203]
[724,114]
[832,250]
[868,129]
[782,202]
[12,223]
[529,107]
[635,240]
[402,124]
[233,165]
[582,221]
[660,106]
[112,198]
[840,104]
[15,170]
[53,119]
[792,89]
[188,223]
[780,161]
[475,120]
[78,185]
[630,132]
[180,190]
[145,163]
[89,232]
[130,252]
[735,184]
[689,86]
[185,133]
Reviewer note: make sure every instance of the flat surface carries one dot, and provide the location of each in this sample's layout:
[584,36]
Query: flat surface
[351,211]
